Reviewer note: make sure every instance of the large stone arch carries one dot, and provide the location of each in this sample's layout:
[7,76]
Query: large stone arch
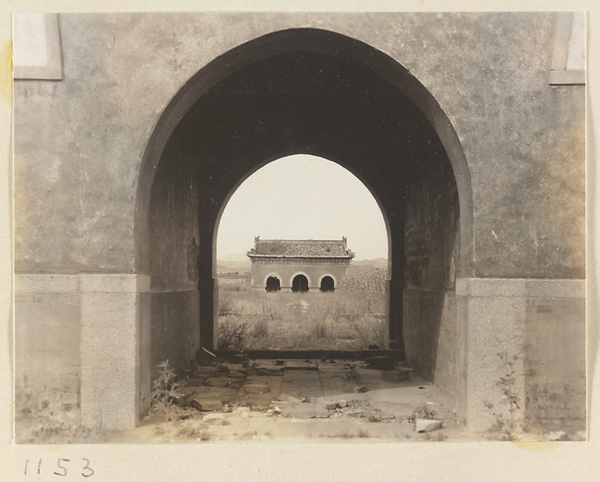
[302,39]
[120,261]
[182,190]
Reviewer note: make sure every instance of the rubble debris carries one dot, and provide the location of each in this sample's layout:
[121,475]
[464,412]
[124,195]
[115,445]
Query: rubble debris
[203,404]
[244,412]
[211,417]
[182,394]
[427,425]
[424,413]
[210,353]
[361,389]
[274,411]
[336,405]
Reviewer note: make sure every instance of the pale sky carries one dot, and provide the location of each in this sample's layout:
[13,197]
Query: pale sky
[303,197]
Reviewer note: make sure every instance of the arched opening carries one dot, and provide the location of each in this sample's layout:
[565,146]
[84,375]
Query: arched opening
[302,239]
[273,284]
[327,284]
[316,92]
[300,284]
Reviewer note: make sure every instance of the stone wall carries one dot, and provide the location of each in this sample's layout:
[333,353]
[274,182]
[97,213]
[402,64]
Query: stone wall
[518,381]
[287,270]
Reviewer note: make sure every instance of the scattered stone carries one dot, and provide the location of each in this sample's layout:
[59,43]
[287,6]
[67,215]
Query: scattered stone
[182,394]
[238,374]
[211,417]
[257,388]
[201,403]
[424,413]
[427,425]
[243,412]
[336,405]
[355,413]
[361,389]
[394,375]
[274,411]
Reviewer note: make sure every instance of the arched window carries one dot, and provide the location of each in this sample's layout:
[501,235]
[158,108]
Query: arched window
[327,284]
[273,284]
[300,284]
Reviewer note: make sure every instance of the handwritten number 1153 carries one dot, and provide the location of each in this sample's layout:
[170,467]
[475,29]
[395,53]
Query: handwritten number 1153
[62,466]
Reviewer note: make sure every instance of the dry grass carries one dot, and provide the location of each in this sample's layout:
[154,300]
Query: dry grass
[350,318]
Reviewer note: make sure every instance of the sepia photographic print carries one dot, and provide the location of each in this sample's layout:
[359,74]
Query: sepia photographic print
[322,227]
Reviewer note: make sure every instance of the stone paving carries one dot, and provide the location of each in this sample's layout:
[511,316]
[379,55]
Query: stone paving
[295,400]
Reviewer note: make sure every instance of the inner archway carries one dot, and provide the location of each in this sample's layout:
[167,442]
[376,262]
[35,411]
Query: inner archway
[327,284]
[300,284]
[273,284]
[304,252]
[316,92]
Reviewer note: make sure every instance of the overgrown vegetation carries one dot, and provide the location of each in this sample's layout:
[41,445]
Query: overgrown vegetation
[164,388]
[350,318]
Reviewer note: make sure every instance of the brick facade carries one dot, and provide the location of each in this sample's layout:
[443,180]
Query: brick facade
[287,259]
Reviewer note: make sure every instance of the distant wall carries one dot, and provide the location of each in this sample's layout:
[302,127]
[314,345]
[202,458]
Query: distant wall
[285,271]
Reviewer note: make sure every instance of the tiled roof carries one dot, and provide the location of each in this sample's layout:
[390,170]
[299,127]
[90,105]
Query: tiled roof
[306,248]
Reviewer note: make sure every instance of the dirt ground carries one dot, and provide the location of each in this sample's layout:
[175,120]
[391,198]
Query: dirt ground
[299,401]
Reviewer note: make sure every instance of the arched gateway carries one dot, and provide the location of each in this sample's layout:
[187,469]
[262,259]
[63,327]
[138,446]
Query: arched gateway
[120,186]
[318,92]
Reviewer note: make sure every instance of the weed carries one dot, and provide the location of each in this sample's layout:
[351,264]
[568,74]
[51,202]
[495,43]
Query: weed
[260,328]
[232,334]
[363,433]
[350,318]
[164,388]
[319,329]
